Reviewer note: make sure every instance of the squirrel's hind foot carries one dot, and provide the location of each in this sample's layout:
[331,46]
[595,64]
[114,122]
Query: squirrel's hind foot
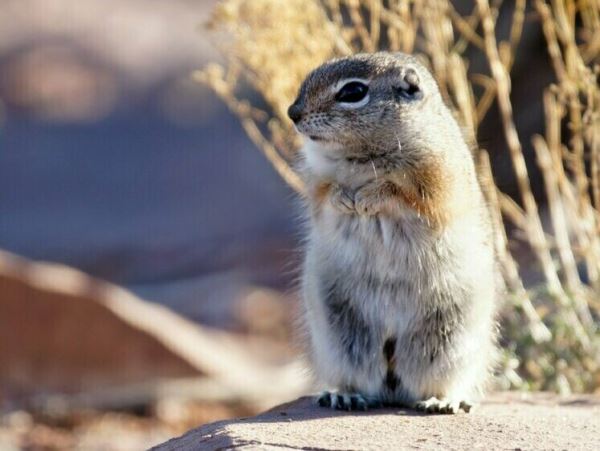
[434,405]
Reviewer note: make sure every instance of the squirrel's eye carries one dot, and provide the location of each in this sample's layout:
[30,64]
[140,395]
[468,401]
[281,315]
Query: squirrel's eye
[352,92]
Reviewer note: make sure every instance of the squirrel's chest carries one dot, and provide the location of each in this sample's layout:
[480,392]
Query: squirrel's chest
[378,245]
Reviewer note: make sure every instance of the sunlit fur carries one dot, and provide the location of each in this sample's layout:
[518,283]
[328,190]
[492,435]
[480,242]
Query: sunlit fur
[414,268]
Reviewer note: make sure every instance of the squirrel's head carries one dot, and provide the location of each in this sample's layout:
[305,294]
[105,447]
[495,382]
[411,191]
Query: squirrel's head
[367,101]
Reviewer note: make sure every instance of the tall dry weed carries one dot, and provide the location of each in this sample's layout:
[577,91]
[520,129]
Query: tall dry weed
[550,330]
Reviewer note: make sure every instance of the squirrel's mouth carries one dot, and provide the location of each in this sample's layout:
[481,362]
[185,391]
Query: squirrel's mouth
[316,138]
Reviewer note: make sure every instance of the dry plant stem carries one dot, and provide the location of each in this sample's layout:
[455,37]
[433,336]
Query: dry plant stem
[463,94]
[466,28]
[556,25]
[409,36]
[516,30]
[439,38]
[502,82]
[517,23]
[583,236]
[552,43]
[487,98]
[539,332]
[375,7]
[512,211]
[281,166]
[559,224]
[254,133]
[556,180]
[394,24]
[534,227]
[595,166]
[359,25]
[336,14]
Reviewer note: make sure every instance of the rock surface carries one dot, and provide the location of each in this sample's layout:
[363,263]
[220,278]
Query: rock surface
[505,421]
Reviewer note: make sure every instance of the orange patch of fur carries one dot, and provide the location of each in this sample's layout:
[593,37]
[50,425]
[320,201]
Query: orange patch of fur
[433,193]
[319,193]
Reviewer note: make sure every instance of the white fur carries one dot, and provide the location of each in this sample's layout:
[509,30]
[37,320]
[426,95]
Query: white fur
[340,84]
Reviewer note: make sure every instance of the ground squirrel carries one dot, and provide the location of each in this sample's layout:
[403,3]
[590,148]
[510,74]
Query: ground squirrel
[399,279]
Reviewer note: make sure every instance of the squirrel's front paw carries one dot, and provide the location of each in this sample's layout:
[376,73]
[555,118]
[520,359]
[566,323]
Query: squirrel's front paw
[371,198]
[342,401]
[342,200]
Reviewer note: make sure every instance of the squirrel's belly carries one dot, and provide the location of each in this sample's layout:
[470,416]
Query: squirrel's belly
[385,281]
[398,265]
[385,267]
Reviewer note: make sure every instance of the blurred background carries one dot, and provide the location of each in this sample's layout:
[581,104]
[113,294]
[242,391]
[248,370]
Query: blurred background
[114,162]
[149,251]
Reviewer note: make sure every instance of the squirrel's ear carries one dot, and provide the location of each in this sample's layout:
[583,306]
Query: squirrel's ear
[408,85]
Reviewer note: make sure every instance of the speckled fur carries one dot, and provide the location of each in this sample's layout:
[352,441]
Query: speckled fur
[399,278]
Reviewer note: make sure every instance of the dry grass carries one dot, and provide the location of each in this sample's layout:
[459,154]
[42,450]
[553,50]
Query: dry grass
[550,330]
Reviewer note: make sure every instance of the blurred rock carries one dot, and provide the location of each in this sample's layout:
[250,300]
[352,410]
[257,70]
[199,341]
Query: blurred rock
[57,336]
[86,343]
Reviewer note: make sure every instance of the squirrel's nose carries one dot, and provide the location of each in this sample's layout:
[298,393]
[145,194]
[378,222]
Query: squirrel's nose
[295,112]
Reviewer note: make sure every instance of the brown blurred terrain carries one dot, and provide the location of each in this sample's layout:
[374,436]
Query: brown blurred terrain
[73,349]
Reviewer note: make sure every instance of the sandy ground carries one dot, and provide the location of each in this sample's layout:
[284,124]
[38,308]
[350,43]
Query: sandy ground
[504,421]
